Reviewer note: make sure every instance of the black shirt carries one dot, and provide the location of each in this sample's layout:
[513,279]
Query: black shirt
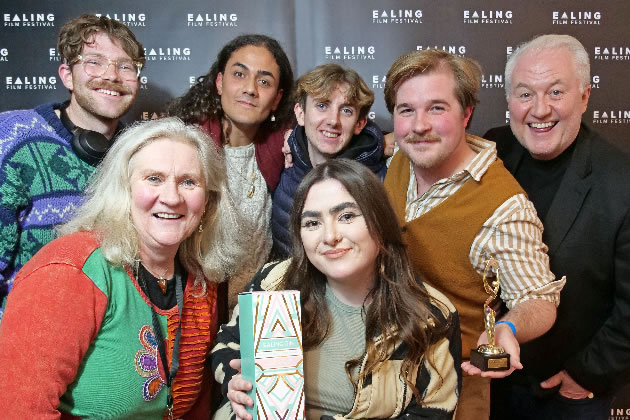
[149,285]
[541,178]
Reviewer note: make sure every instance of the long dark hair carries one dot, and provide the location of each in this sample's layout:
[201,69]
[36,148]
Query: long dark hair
[202,101]
[400,308]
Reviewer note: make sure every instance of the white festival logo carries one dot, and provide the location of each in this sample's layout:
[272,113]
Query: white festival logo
[30,82]
[29,19]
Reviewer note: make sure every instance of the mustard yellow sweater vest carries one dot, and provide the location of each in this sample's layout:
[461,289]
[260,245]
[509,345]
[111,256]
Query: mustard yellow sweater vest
[439,241]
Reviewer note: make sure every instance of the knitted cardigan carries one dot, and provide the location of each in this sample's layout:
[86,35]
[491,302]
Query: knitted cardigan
[41,185]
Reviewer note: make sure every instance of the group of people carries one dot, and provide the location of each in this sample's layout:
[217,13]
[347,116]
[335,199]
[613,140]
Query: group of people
[159,230]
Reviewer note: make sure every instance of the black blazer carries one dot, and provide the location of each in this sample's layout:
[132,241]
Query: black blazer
[587,229]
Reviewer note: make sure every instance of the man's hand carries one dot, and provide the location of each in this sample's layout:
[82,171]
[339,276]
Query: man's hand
[237,388]
[288,158]
[568,387]
[505,339]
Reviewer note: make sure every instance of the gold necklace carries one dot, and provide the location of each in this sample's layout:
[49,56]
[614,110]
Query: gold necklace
[162,282]
[252,190]
[225,133]
[251,181]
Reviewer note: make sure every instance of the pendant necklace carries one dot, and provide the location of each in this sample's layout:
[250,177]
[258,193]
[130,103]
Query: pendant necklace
[162,282]
[248,180]
[252,190]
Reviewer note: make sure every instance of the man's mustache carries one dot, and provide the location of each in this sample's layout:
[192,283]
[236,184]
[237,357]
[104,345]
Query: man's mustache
[94,84]
[415,138]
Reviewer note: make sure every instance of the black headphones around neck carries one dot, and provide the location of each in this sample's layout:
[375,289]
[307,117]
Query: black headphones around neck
[90,146]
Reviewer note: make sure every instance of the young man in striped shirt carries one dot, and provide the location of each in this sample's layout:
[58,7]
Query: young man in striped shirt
[459,207]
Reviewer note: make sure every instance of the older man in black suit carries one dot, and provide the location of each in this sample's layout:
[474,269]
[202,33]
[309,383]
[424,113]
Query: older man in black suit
[580,185]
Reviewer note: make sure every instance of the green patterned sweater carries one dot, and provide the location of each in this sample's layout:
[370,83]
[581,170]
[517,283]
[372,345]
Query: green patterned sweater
[41,184]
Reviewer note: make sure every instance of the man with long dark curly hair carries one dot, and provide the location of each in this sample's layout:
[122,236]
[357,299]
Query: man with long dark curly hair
[50,151]
[245,103]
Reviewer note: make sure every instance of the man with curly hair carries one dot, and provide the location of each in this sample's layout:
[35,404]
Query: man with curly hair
[49,152]
[245,103]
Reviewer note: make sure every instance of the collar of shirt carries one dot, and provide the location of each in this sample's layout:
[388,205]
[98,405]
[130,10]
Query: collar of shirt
[486,154]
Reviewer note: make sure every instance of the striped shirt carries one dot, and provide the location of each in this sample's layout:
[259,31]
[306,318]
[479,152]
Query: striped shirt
[512,235]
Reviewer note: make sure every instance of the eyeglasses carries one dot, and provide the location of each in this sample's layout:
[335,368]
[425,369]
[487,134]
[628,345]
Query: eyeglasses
[96,66]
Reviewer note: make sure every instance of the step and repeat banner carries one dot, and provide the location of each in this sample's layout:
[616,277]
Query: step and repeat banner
[182,39]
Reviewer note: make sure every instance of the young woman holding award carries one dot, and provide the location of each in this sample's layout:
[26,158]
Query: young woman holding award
[377,342]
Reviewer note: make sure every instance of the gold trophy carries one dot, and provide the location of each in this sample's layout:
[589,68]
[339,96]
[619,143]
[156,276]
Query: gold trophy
[490,357]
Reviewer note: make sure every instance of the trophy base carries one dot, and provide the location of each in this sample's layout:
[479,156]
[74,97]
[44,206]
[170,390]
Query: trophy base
[490,362]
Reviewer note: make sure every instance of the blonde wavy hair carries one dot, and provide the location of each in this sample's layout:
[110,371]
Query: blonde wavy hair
[106,211]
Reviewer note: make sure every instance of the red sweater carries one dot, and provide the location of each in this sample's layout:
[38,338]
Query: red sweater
[56,313]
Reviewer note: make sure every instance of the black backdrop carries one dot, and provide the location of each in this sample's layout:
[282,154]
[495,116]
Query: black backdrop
[182,38]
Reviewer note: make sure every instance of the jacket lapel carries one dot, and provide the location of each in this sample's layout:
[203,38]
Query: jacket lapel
[573,189]
[508,148]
